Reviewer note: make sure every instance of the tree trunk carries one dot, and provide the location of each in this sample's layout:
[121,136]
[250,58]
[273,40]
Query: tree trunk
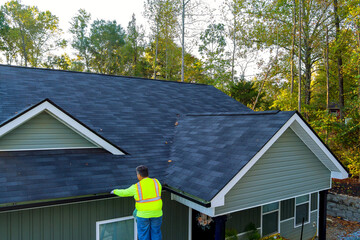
[156,50]
[307,75]
[233,53]
[299,83]
[339,61]
[327,70]
[24,50]
[293,48]
[183,41]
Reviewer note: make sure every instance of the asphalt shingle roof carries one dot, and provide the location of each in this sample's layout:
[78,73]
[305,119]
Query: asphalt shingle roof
[208,150]
[138,115]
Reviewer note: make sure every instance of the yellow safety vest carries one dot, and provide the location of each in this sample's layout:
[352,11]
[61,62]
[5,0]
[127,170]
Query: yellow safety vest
[148,195]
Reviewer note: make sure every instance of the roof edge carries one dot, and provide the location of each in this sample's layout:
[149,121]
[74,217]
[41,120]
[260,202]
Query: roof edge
[101,74]
[218,199]
[53,202]
[61,114]
[187,196]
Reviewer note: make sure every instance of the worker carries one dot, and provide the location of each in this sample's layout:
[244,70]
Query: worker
[148,206]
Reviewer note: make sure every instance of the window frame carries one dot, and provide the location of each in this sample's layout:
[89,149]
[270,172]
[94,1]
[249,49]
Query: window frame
[98,223]
[309,212]
[269,212]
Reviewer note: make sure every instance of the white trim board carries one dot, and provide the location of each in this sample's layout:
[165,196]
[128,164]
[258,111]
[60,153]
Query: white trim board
[208,211]
[115,220]
[65,119]
[219,199]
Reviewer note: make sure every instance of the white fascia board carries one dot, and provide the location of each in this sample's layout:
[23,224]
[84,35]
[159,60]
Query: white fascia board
[65,118]
[341,174]
[219,199]
[208,211]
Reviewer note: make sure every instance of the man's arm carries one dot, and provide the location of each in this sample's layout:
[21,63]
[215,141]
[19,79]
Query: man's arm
[129,192]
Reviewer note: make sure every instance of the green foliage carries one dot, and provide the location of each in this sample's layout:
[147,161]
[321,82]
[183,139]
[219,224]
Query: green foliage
[105,45]
[252,232]
[81,42]
[245,92]
[231,234]
[30,35]
[212,50]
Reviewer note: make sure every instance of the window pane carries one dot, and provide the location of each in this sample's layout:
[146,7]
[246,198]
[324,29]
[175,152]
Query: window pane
[302,211]
[314,201]
[302,199]
[122,230]
[287,209]
[270,223]
[270,207]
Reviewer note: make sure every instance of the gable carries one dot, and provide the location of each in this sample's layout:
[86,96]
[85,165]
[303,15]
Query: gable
[62,116]
[43,132]
[288,169]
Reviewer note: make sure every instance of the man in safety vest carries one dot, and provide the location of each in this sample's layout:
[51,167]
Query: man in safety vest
[147,194]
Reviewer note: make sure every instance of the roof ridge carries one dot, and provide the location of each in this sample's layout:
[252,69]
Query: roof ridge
[101,74]
[272,112]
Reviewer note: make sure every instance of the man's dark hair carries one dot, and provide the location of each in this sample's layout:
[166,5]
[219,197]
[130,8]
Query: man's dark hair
[142,171]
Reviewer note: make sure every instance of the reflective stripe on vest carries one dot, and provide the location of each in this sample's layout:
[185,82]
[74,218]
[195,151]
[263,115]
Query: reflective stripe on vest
[141,200]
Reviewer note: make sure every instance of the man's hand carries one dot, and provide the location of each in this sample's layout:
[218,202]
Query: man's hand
[112,192]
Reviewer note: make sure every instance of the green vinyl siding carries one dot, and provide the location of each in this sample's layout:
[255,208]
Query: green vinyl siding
[290,232]
[78,221]
[43,132]
[240,220]
[286,170]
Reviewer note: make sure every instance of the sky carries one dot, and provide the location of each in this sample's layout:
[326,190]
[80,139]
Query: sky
[119,10]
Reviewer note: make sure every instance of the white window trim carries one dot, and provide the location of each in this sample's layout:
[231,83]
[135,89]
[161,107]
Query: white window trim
[190,224]
[112,221]
[309,212]
[219,199]
[273,211]
[64,118]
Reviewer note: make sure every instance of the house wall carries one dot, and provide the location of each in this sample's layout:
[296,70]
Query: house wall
[240,220]
[288,169]
[78,221]
[43,132]
[287,228]
[290,232]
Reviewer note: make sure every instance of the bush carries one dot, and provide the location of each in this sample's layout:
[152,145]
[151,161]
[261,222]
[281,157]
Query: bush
[252,232]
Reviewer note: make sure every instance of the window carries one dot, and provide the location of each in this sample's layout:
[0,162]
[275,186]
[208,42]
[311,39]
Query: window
[314,201]
[302,210]
[116,229]
[270,219]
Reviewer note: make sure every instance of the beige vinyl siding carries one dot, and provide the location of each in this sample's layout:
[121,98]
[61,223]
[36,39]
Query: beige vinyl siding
[78,221]
[43,132]
[288,169]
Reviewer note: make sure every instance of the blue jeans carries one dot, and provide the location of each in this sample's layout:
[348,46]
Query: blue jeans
[149,228]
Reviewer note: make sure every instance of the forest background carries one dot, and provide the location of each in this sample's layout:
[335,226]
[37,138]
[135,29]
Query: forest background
[275,54]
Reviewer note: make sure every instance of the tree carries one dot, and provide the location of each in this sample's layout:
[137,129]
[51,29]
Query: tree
[32,34]
[245,92]
[134,48]
[236,20]
[162,16]
[105,46]
[79,27]
[212,50]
